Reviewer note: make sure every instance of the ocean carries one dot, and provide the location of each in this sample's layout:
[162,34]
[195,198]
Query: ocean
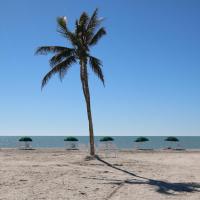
[122,142]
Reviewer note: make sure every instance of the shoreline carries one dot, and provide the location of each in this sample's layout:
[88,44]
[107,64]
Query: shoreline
[118,150]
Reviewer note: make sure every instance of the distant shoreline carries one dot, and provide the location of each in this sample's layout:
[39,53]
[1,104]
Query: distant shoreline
[62,149]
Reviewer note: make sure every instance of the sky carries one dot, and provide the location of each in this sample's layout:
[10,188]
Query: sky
[151,64]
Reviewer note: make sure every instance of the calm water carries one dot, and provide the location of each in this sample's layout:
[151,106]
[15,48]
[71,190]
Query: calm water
[123,142]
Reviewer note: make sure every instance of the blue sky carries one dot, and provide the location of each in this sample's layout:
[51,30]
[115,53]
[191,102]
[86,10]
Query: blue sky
[151,58]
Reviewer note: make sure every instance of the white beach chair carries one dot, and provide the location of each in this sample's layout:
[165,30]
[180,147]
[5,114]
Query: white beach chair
[71,145]
[108,148]
[25,145]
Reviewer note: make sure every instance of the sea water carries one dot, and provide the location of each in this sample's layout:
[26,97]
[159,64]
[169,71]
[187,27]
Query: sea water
[122,142]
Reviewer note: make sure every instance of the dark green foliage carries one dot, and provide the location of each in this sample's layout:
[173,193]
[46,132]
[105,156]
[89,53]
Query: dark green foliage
[107,138]
[141,139]
[71,139]
[86,34]
[25,139]
[172,139]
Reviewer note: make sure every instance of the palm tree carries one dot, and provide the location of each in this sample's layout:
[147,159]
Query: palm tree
[87,33]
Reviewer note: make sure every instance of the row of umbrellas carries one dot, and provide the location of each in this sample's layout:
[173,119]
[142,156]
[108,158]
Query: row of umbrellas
[144,139]
[103,139]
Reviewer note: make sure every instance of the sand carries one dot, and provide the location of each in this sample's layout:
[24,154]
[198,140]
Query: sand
[56,174]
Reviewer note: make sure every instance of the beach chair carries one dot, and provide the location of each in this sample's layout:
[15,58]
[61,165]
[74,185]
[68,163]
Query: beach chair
[108,148]
[71,145]
[25,145]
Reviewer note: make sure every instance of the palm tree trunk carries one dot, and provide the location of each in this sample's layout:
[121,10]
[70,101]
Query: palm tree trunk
[86,92]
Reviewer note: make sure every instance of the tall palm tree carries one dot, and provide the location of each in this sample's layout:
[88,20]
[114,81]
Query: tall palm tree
[87,33]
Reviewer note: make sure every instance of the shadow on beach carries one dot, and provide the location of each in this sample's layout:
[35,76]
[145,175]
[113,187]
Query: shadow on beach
[163,187]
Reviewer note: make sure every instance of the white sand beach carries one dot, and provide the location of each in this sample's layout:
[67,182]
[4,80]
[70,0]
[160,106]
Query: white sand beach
[58,174]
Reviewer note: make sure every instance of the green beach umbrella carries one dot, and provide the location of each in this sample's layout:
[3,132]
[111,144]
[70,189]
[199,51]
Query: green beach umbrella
[25,139]
[106,139]
[141,139]
[172,139]
[71,139]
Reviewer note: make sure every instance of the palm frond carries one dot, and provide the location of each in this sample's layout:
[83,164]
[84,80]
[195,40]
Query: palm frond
[83,20]
[63,30]
[61,68]
[61,56]
[100,33]
[94,21]
[44,50]
[78,37]
[93,24]
[96,65]
[69,61]
[77,28]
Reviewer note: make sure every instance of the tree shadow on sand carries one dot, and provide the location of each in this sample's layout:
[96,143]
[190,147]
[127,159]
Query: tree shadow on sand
[163,187]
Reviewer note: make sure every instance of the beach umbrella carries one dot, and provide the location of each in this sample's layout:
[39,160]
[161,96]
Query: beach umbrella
[25,142]
[71,139]
[71,143]
[106,139]
[141,139]
[171,139]
[25,139]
